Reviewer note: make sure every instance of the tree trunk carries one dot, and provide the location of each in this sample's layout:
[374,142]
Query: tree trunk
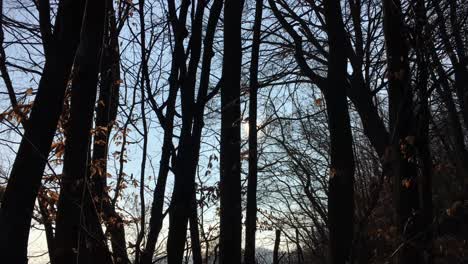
[25,178]
[79,236]
[300,255]
[195,233]
[403,171]
[230,181]
[184,179]
[359,92]
[251,211]
[276,247]
[341,190]
[106,112]
[422,137]
[372,123]
[48,228]
[157,216]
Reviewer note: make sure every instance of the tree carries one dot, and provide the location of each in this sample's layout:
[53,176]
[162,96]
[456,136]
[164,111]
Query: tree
[341,183]
[230,178]
[106,113]
[341,125]
[403,170]
[25,177]
[183,203]
[251,211]
[79,236]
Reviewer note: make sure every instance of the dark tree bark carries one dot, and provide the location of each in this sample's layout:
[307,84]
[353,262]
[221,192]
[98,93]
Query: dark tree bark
[182,206]
[373,125]
[198,116]
[276,247]
[251,211]
[106,112]
[167,122]
[79,236]
[194,232]
[144,87]
[359,92]
[230,181]
[422,134]
[300,255]
[341,201]
[157,214]
[403,171]
[49,229]
[184,181]
[3,67]
[341,190]
[25,178]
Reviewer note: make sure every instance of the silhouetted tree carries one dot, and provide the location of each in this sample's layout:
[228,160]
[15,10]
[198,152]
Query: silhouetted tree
[25,177]
[230,180]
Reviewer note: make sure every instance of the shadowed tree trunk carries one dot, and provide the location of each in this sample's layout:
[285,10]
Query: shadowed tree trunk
[251,211]
[422,136]
[403,172]
[79,236]
[106,112]
[184,207]
[276,247]
[31,158]
[167,121]
[340,195]
[300,256]
[194,232]
[230,181]
[340,190]
[359,92]
[184,182]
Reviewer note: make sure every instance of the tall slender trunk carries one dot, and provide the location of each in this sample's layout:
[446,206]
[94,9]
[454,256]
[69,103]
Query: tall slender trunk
[341,190]
[198,117]
[251,218]
[189,146]
[422,134]
[194,232]
[31,158]
[230,181]
[157,216]
[49,229]
[167,122]
[79,235]
[300,255]
[106,112]
[276,247]
[144,86]
[403,171]
[184,182]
